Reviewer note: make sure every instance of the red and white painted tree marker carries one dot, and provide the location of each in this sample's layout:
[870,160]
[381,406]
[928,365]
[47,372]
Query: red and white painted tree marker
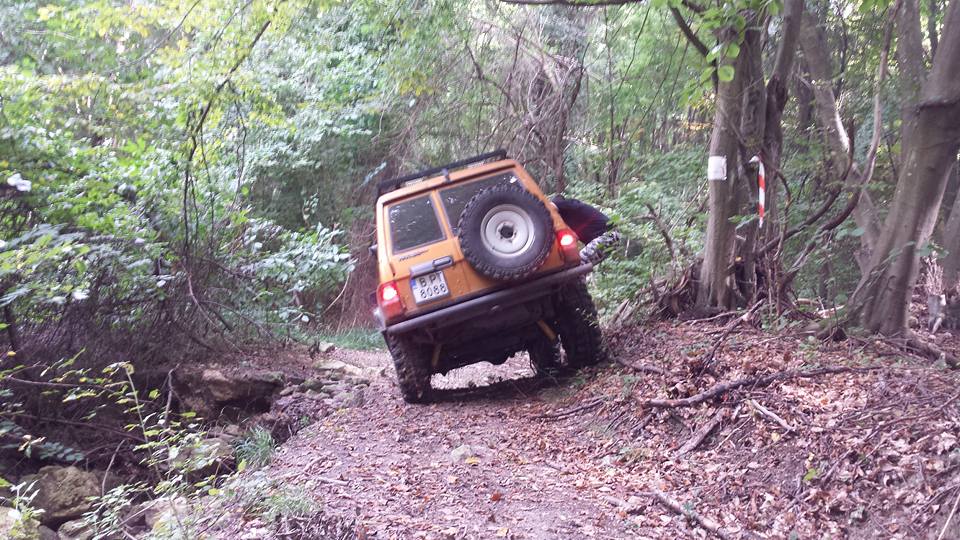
[762,186]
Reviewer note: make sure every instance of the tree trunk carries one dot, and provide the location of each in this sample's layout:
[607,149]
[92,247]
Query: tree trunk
[717,284]
[805,103]
[748,122]
[951,237]
[838,139]
[932,35]
[883,294]
[777,91]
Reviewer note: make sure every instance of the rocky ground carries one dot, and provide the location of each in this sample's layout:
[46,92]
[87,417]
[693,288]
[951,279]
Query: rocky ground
[867,449]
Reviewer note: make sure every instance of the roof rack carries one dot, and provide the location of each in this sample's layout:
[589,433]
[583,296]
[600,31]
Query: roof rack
[387,186]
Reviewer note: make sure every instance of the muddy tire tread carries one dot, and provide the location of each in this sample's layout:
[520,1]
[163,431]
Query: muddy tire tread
[410,364]
[579,327]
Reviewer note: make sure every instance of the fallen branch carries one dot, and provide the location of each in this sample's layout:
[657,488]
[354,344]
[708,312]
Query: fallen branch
[333,481]
[684,511]
[664,231]
[86,425]
[720,315]
[641,367]
[950,517]
[929,350]
[638,428]
[753,382]
[731,326]
[702,433]
[763,411]
[570,412]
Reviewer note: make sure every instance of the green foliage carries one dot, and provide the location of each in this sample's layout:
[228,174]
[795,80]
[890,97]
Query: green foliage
[137,199]
[668,187]
[255,448]
[261,496]
[358,339]
[21,501]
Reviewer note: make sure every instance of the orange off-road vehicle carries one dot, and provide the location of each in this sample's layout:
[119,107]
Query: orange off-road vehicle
[475,264]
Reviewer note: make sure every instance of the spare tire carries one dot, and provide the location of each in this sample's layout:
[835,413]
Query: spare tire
[505,232]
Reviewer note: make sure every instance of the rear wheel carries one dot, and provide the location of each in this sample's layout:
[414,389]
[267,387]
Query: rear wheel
[579,326]
[411,362]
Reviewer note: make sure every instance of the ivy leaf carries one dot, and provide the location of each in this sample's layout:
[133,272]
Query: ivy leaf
[733,50]
[725,73]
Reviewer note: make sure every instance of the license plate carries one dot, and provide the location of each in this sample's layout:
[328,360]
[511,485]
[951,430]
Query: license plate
[429,287]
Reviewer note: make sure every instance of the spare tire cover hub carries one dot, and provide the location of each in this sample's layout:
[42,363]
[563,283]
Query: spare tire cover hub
[507,230]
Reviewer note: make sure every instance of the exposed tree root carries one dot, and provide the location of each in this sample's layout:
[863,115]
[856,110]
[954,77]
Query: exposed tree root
[753,382]
[702,433]
[688,513]
[641,367]
[592,404]
[928,350]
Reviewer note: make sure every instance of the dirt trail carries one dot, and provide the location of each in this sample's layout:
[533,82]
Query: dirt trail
[477,464]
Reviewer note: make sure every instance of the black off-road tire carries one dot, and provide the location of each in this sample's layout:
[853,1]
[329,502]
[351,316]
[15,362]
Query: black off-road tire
[411,362]
[579,326]
[489,263]
[545,356]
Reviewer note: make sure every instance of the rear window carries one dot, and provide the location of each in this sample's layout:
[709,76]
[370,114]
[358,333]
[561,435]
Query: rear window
[414,223]
[456,198]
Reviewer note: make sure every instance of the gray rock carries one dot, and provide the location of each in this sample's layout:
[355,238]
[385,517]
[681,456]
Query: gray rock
[208,390]
[461,453]
[313,384]
[160,513]
[14,526]
[335,369]
[75,530]
[346,400]
[201,456]
[63,493]
[46,533]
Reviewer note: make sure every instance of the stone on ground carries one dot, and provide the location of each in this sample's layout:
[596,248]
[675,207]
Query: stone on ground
[75,530]
[15,526]
[63,493]
[208,390]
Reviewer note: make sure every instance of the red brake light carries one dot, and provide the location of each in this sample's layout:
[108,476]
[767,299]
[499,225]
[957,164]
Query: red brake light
[388,292]
[568,245]
[388,296]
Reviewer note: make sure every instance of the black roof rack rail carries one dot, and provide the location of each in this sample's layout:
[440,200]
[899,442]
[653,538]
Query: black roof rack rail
[386,186]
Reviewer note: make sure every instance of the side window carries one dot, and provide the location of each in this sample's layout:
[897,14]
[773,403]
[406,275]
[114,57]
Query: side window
[456,198]
[413,223]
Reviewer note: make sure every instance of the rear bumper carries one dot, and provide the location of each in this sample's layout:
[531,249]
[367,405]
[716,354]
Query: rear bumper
[490,304]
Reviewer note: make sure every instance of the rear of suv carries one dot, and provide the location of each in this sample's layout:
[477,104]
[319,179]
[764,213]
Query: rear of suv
[475,264]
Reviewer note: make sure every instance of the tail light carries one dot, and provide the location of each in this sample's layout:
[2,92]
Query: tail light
[388,297]
[568,245]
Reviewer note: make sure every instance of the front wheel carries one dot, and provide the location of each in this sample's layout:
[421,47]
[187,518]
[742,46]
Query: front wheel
[579,326]
[411,361]
[545,356]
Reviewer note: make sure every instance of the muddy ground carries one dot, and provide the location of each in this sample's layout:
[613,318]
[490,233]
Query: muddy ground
[867,452]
